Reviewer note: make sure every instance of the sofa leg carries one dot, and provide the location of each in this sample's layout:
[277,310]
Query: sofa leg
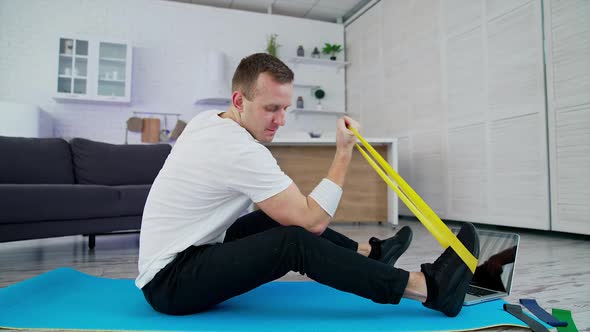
[91,241]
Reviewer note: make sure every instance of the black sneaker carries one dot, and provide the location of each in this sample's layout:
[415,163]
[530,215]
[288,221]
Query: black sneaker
[389,250]
[448,277]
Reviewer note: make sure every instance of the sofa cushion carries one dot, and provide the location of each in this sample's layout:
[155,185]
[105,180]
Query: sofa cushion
[111,164]
[27,203]
[132,199]
[35,160]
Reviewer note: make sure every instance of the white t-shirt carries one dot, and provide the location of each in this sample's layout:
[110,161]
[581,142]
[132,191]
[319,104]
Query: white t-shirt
[213,173]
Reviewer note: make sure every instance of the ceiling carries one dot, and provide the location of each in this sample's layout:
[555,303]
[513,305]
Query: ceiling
[321,10]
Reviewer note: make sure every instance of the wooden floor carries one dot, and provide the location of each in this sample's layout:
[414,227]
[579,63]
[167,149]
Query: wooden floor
[553,268]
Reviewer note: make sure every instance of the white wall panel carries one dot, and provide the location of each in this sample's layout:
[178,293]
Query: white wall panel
[567,32]
[570,52]
[429,169]
[495,8]
[405,168]
[461,15]
[465,79]
[467,160]
[572,173]
[516,81]
[518,176]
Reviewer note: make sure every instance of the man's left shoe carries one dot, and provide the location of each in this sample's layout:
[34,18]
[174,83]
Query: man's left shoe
[389,250]
[448,277]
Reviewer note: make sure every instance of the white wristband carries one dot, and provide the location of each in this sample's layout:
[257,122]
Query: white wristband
[327,194]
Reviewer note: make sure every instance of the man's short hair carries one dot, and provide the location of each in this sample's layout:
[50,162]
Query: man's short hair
[252,66]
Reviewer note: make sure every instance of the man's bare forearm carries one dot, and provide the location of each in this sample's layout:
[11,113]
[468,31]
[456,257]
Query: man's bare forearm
[331,191]
[337,172]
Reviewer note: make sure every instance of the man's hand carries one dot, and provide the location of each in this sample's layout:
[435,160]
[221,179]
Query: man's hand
[345,139]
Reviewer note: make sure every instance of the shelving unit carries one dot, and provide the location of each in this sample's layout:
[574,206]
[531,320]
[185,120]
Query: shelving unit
[306,86]
[315,62]
[297,111]
[318,62]
[93,71]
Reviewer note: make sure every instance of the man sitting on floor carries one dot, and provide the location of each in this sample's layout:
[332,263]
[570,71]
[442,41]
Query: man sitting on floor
[196,251]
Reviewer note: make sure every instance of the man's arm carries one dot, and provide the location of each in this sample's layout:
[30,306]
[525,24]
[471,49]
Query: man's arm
[291,207]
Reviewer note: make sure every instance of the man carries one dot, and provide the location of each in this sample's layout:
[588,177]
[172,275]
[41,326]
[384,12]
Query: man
[196,251]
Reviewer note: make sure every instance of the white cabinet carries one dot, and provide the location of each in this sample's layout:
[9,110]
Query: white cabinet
[93,71]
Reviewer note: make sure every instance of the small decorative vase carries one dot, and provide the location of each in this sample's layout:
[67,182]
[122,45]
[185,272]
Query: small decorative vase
[300,51]
[319,94]
[299,102]
[315,53]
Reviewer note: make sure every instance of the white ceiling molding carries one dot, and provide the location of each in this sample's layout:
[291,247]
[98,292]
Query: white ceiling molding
[334,11]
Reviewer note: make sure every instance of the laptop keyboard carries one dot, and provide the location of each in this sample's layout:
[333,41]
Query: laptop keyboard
[476,291]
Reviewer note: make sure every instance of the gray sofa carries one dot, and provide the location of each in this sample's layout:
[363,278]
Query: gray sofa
[51,188]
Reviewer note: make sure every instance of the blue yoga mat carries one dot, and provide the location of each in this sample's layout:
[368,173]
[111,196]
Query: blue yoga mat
[67,299]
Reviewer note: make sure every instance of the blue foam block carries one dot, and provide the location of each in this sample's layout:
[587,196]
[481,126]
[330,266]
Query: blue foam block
[67,299]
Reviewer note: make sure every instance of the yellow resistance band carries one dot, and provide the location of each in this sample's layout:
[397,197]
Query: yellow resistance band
[421,210]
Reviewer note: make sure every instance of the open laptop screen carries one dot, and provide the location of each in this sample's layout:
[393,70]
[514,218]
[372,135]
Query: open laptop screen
[496,260]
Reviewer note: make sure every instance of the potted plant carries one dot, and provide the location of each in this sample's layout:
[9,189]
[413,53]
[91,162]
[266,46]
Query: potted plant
[272,45]
[332,49]
[319,94]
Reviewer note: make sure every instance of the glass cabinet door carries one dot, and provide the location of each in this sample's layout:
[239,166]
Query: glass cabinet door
[112,68]
[73,66]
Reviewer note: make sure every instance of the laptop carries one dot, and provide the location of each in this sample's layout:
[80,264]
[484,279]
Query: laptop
[495,268]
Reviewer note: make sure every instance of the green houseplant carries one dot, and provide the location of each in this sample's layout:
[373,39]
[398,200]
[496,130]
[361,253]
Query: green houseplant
[319,93]
[332,50]
[272,46]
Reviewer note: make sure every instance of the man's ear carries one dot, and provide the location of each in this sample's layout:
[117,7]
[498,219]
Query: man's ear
[237,100]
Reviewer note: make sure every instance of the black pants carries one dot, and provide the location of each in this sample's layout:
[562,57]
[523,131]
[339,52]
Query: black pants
[258,250]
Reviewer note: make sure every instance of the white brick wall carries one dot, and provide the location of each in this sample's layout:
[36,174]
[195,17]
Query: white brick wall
[170,42]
